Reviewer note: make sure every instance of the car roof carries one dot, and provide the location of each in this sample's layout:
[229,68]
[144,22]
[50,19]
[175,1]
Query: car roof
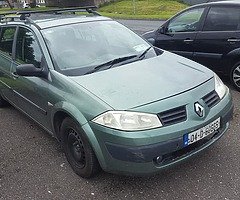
[44,22]
[232,2]
[43,19]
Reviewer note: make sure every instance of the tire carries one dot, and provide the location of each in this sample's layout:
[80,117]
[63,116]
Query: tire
[2,102]
[78,150]
[235,76]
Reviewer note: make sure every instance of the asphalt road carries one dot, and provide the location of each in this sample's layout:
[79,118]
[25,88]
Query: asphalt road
[141,26]
[33,166]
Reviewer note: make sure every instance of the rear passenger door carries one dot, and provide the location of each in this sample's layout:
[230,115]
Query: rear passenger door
[6,44]
[218,37]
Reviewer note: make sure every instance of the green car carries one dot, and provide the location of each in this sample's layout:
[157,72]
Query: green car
[112,100]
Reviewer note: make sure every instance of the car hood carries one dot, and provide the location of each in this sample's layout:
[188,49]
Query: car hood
[142,82]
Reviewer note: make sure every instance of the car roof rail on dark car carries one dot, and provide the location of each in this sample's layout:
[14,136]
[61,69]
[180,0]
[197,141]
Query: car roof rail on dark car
[25,15]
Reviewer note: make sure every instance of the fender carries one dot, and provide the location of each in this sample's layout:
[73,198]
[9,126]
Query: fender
[74,112]
[71,110]
[233,53]
[95,145]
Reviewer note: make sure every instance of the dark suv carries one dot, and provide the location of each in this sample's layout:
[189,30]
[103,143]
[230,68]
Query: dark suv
[208,33]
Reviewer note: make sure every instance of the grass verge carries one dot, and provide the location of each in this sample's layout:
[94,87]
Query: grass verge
[142,9]
[133,9]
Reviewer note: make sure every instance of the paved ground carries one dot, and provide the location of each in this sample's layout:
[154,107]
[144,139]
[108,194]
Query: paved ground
[33,166]
[141,26]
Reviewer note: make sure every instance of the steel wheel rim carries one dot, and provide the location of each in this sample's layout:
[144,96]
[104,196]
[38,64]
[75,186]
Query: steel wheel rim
[76,148]
[236,76]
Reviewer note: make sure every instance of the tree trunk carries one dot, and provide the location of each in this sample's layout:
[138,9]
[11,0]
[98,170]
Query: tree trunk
[33,3]
[9,4]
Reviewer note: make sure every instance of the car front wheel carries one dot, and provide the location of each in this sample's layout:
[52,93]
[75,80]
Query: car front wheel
[235,76]
[78,150]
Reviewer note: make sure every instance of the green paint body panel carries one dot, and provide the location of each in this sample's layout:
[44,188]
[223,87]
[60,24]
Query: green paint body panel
[151,85]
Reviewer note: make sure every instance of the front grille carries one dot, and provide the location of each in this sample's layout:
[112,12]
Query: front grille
[173,116]
[211,99]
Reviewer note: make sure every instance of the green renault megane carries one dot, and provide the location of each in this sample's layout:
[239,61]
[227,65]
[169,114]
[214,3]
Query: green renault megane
[112,100]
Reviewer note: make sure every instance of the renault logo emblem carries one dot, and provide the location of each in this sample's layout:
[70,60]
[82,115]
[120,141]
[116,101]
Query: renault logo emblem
[199,109]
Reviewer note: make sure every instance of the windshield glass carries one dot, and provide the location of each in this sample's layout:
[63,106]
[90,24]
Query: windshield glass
[80,47]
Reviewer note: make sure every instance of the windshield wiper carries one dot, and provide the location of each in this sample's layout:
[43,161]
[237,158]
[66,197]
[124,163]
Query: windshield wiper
[144,53]
[110,63]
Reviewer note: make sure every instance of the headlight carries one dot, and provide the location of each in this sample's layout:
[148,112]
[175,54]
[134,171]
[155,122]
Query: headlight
[128,121]
[220,88]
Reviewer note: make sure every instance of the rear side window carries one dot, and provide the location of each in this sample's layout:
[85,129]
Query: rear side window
[222,19]
[7,37]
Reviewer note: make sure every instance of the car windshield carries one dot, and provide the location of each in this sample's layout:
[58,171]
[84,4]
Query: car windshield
[78,48]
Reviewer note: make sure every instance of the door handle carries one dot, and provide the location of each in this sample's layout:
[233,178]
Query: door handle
[187,40]
[15,75]
[233,40]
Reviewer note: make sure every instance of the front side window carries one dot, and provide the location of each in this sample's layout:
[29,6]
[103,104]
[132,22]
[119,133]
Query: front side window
[186,22]
[7,37]
[222,19]
[83,46]
[27,48]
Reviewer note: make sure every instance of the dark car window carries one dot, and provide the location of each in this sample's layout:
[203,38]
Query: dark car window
[222,19]
[186,22]
[27,48]
[7,37]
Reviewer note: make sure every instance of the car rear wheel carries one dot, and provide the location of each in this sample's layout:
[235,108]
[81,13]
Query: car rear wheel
[235,76]
[78,150]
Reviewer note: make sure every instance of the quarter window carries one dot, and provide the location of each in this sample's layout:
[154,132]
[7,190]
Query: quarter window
[222,19]
[7,38]
[27,48]
[186,22]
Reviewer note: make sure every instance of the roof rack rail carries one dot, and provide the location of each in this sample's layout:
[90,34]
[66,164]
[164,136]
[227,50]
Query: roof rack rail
[24,14]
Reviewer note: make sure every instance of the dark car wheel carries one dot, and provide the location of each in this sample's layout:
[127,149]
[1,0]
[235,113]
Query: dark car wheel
[3,102]
[78,150]
[235,76]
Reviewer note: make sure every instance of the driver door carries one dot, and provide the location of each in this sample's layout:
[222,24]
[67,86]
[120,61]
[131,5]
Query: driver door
[30,93]
[180,32]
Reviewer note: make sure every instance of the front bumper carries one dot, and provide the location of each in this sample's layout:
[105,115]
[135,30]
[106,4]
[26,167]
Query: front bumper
[168,151]
[136,153]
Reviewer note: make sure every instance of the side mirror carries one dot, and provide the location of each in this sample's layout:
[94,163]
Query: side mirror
[162,30]
[169,32]
[151,40]
[30,70]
